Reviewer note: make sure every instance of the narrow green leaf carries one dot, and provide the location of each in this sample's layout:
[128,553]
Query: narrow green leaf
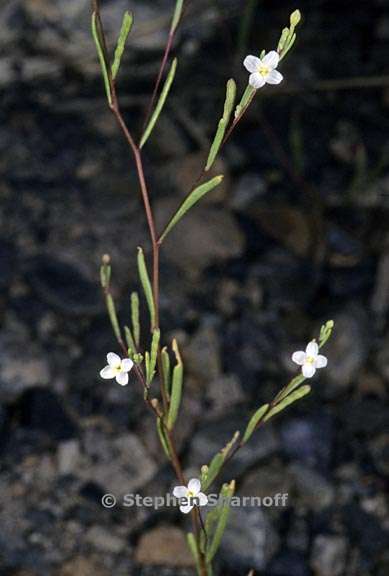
[223,123]
[222,522]
[293,384]
[178,373]
[153,356]
[113,317]
[135,317]
[190,201]
[296,395]
[162,437]
[192,544]
[146,285]
[177,15]
[218,461]
[129,340]
[245,101]
[254,421]
[282,40]
[147,366]
[100,52]
[121,43]
[160,103]
[166,370]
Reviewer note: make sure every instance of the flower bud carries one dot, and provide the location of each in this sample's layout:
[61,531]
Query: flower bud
[295,18]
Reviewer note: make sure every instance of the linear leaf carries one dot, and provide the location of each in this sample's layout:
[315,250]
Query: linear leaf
[146,285]
[100,52]
[223,123]
[289,388]
[217,462]
[175,401]
[162,437]
[153,356]
[135,317]
[296,395]
[166,370]
[129,340]
[190,201]
[254,421]
[222,522]
[245,101]
[160,103]
[177,15]
[113,317]
[192,544]
[121,43]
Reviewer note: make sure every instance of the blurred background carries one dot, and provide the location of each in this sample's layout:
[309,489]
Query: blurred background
[297,234]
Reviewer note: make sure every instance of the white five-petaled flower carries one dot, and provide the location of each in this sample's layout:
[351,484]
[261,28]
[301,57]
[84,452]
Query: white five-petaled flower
[263,71]
[190,495]
[310,360]
[117,368]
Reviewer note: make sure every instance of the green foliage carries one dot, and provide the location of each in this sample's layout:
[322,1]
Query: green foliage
[254,421]
[177,380]
[296,395]
[226,493]
[97,37]
[177,15]
[223,123]
[121,43]
[135,317]
[160,104]
[162,437]
[129,341]
[190,201]
[146,285]
[248,95]
[105,272]
[192,544]
[166,370]
[210,472]
[151,359]
[113,317]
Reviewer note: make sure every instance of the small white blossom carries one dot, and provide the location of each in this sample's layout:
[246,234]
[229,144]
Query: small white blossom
[190,495]
[117,368]
[263,71]
[310,360]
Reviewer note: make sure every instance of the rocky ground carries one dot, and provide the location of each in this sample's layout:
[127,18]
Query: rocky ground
[297,235]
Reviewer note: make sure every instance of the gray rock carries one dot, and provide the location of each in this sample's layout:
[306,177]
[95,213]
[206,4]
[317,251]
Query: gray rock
[329,554]
[68,456]
[312,490]
[347,349]
[248,190]
[105,540]
[249,541]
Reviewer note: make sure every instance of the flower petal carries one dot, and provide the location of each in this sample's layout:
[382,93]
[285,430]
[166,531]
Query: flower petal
[274,77]
[126,365]
[256,80]
[312,349]
[186,508]
[271,59]
[122,378]
[180,492]
[203,499]
[107,373]
[299,357]
[194,486]
[308,370]
[251,63]
[321,361]
[113,360]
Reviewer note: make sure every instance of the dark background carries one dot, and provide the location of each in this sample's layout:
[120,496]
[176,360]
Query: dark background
[296,235]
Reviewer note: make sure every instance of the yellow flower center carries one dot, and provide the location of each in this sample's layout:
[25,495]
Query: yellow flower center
[191,494]
[263,70]
[310,360]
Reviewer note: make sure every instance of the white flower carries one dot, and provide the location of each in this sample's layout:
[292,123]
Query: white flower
[190,495]
[263,71]
[117,368]
[310,360]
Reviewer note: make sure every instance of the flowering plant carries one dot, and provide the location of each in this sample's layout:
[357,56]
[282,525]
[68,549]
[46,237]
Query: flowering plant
[155,362]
